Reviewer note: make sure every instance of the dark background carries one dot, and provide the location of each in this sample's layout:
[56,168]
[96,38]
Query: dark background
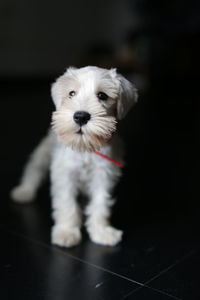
[154,44]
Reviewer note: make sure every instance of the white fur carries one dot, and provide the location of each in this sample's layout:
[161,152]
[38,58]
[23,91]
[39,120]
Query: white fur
[74,165]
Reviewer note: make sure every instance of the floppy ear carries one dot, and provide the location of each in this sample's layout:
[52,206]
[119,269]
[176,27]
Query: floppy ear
[127,96]
[57,92]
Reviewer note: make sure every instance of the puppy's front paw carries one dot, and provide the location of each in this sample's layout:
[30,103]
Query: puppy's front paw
[105,235]
[65,237]
[22,194]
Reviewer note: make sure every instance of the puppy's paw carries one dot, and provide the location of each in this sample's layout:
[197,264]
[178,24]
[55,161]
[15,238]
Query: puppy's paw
[65,237]
[22,194]
[105,235]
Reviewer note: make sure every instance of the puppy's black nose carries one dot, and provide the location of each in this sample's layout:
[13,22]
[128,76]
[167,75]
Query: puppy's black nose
[81,117]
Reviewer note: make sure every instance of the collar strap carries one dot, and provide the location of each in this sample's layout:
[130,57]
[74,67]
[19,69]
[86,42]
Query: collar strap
[110,159]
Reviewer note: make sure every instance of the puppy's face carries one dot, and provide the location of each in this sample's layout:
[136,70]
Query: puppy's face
[88,104]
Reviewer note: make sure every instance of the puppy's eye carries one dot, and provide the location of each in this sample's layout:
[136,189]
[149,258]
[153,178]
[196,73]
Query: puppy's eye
[72,93]
[102,96]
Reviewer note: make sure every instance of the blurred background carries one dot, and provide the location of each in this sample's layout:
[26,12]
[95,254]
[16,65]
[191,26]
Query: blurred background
[154,44]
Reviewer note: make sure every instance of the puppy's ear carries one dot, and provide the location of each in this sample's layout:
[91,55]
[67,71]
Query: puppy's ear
[56,93]
[58,88]
[127,96]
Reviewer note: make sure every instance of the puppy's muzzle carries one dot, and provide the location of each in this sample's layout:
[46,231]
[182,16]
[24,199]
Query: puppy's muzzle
[81,117]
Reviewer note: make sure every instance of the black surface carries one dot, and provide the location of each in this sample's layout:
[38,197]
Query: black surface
[181,280]
[36,271]
[157,208]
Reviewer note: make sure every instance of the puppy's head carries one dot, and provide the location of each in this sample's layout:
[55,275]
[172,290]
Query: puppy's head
[89,101]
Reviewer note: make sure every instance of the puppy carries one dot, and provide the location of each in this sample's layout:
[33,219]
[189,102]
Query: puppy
[89,103]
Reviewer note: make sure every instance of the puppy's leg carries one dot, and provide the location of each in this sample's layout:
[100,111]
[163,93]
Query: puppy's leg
[34,172]
[99,209]
[66,213]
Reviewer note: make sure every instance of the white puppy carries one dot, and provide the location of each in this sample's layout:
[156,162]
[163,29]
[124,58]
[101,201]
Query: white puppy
[89,102]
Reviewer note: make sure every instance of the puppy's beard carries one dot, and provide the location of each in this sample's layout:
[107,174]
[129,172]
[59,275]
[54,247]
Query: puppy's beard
[89,137]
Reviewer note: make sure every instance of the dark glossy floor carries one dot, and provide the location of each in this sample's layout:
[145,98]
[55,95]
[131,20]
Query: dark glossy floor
[157,207]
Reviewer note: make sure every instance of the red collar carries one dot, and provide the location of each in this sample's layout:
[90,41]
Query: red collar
[110,159]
